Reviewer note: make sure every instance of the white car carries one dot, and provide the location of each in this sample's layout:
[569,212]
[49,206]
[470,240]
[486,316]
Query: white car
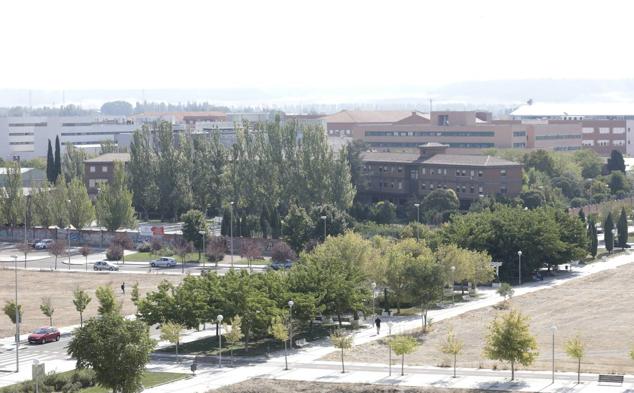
[163,262]
[105,265]
[43,244]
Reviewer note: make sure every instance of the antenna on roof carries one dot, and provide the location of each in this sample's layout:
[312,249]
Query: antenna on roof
[430,106]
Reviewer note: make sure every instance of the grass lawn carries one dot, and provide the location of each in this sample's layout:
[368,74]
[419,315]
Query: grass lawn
[260,347]
[150,379]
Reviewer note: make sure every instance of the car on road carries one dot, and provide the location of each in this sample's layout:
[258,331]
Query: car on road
[163,262]
[44,335]
[277,265]
[43,244]
[105,265]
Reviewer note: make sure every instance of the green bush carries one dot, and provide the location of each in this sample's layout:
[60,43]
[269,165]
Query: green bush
[85,376]
[144,247]
[114,252]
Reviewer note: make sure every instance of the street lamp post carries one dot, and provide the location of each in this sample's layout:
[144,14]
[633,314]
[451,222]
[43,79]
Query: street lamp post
[290,307]
[553,329]
[231,231]
[69,237]
[219,319]
[373,285]
[17,318]
[389,347]
[204,235]
[417,219]
[453,272]
[26,209]
[324,218]
[519,262]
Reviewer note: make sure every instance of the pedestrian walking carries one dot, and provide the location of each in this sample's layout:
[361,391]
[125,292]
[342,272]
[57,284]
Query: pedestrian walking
[123,288]
[377,322]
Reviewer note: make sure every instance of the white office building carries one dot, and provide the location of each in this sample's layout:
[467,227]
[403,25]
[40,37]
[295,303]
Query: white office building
[27,137]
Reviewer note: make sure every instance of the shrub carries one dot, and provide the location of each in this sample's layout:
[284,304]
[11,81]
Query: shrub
[71,387]
[85,376]
[282,251]
[156,245]
[144,247]
[114,252]
[167,252]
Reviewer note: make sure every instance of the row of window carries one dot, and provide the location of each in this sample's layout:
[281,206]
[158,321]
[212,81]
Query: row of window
[519,133]
[21,143]
[604,130]
[339,132]
[425,171]
[431,133]
[96,182]
[460,189]
[93,133]
[557,136]
[104,169]
[20,134]
[604,142]
[450,144]
[41,124]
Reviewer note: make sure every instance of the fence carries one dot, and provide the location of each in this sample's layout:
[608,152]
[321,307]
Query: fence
[601,208]
[102,239]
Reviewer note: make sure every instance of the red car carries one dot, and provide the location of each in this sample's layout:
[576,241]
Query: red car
[43,335]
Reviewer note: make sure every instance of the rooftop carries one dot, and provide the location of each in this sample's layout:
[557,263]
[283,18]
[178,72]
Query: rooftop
[111,157]
[438,159]
[574,109]
[347,116]
[3,170]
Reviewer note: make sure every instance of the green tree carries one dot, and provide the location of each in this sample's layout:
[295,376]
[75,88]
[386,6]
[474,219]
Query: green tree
[582,216]
[42,207]
[354,151]
[9,311]
[47,309]
[509,340]
[117,350]
[279,330]
[618,183]
[452,347]
[533,198]
[107,301]
[403,345]
[81,300]
[590,163]
[608,236]
[438,203]
[384,212]
[297,227]
[58,159]
[593,240]
[400,258]
[117,108]
[73,162]
[616,162]
[209,160]
[506,291]
[114,202]
[337,221]
[143,172]
[82,212]
[194,222]
[234,335]
[542,161]
[341,340]
[576,349]
[426,283]
[59,204]
[50,164]
[622,229]
[171,332]
[13,201]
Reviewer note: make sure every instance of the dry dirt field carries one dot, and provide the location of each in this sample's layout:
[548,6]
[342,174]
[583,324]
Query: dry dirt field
[59,286]
[600,308]
[282,386]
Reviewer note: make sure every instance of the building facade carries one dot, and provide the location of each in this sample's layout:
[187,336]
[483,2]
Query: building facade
[100,170]
[400,177]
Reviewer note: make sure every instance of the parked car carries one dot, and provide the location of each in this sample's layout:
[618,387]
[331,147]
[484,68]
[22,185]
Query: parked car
[163,262]
[105,265]
[277,265]
[43,244]
[44,335]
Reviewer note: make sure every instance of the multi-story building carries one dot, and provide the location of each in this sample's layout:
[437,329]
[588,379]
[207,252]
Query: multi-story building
[605,127]
[400,177]
[100,170]
[463,131]
[27,137]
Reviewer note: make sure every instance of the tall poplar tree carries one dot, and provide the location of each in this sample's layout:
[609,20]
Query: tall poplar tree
[13,202]
[58,159]
[80,211]
[143,174]
[621,228]
[608,236]
[114,203]
[50,164]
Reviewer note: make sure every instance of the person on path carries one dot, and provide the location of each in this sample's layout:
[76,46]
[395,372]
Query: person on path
[377,322]
[123,288]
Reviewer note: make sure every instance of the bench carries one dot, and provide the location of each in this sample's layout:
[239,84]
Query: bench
[301,343]
[610,378]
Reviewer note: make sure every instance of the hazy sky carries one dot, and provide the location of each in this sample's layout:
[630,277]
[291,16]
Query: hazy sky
[304,43]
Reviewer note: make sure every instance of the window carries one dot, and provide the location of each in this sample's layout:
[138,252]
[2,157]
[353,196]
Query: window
[619,142]
[502,172]
[480,189]
[423,186]
[480,173]
[104,169]
[588,130]
[503,189]
[471,189]
[422,171]
[604,130]
[457,172]
[443,120]
[431,186]
[400,185]
[587,143]
[519,133]
[472,173]
[400,169]
[603,142]
[618,130]
[445,171]
[431,171]
[92,169]
[519,145]
[91,182]
[464,172]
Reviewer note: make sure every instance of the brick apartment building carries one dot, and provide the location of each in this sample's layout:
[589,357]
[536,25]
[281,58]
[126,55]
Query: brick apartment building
[100,170]
[399,177]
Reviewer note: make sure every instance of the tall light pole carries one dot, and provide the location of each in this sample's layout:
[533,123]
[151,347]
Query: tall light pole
[453,272]
[69,237]
[231,231]
[324,218]
[17,317]
[417,219]
[26,209]
[219,319]
[373,285]
[204,235]
[290,307]
[553,329]
[519,262]
[389,347]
